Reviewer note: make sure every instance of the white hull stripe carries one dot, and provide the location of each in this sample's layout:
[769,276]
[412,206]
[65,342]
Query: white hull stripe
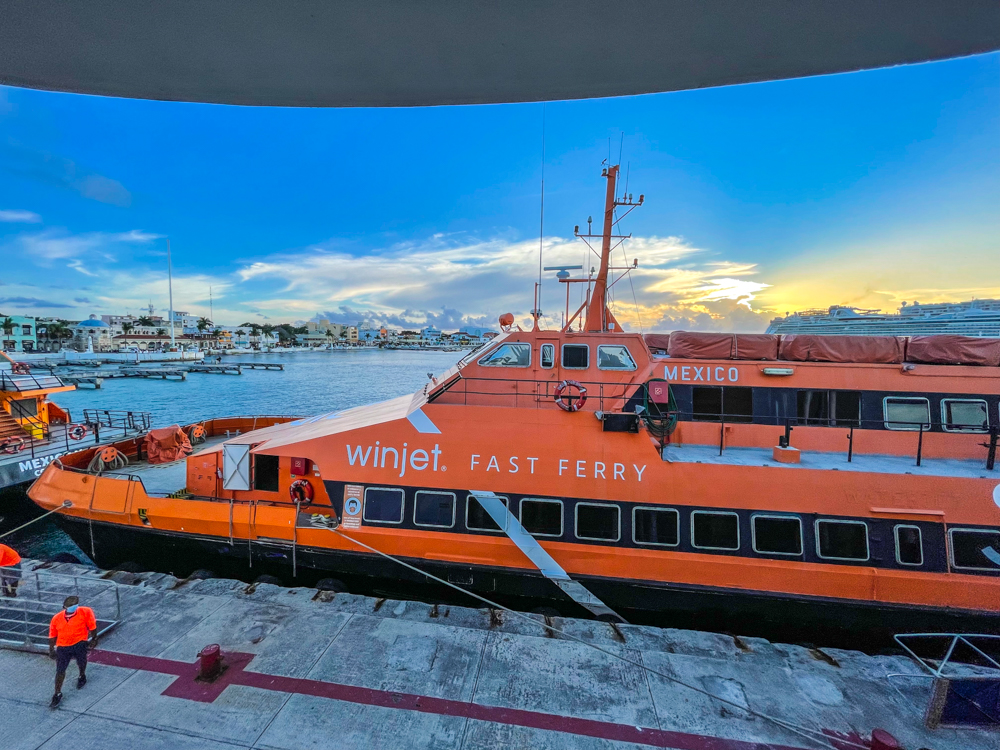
[541,559]
[422,423]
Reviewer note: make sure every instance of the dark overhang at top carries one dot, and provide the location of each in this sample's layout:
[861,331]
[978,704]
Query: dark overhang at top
[391,53]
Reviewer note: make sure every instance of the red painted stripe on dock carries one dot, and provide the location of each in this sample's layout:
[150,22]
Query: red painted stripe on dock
[187,687]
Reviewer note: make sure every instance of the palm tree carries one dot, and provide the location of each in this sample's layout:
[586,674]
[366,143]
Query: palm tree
[126,330]
[144,320]
[161,331]
[203,323]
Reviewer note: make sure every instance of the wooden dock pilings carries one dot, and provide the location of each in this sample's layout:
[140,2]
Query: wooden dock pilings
[232,369]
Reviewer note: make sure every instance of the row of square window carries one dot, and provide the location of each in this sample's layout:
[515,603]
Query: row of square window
[660,527]
[574,356]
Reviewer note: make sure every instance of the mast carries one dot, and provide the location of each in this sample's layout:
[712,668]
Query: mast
[597,309]
[170,287]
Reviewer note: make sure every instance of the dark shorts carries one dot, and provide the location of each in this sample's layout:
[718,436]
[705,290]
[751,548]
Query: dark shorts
[66,654]
[9,576]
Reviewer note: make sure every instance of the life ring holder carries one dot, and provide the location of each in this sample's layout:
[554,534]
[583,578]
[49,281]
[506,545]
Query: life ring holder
[565,400]
[77,432]
[12,445]
[305,487]
[197,434]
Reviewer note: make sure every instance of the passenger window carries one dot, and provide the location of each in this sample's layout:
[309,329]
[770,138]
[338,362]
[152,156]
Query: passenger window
[975,549]
[777,535]
[265,473]
[964,415]
[842,540]
[548,356]
[614,358]
[383,505]
[576,356]
[711,530]
[477,519]
[434,509]
[542,517]
[659,526]
[909,545]
[832,408]
[907,413]
[598,521]
[508,355]
[712,403]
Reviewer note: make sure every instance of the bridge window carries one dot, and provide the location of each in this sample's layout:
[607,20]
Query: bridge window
[383,505]
[614,357]
[903,413]
[265,473]
[776,535]
[712,530]
[659,526]
[975,549]
[842,540]
[598,522]
[909,545]
[508,355]
[832,408]
[713,403]
[964,415]
[548,356]
[477,519]
[434,509]
[575,356]
[542,517]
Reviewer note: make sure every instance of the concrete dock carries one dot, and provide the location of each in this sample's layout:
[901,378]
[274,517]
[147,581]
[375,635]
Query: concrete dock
[314,669]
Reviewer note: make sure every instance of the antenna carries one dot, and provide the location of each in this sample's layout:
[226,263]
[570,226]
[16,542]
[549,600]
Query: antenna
[170,288]
[211,313]
[541,231]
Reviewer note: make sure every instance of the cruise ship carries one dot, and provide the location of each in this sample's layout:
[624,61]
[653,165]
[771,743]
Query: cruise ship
[978,317]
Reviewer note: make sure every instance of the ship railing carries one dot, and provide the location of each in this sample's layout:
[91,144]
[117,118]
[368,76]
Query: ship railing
[15,383]
[102,426]
[24,620]
[118,419]
[541,393]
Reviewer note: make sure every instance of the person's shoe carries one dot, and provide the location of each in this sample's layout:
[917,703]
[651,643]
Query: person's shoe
[56,699]
[81,682]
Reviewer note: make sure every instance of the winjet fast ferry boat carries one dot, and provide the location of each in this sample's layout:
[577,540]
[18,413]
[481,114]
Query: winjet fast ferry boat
[835,476]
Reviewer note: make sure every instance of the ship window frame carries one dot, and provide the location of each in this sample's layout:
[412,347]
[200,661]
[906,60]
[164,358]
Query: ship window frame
[739,541]
[454,510]
[576,521]
[779,517]
[402,506]
[552,356]
[848,522]
[272,480]
[628,353]
[677,519]
[947,425]
[483,363]
[894,424]
[562,356]
[951,547]
[562,516]
[920,541]
[468,502]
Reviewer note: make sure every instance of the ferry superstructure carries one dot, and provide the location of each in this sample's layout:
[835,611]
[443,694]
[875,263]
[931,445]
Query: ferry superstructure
[837,477]
[980,317]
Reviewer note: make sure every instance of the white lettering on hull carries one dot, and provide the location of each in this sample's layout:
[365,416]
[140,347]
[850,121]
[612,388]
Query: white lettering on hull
[701,374]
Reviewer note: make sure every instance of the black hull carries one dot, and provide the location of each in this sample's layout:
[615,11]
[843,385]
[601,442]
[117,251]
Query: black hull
[848,624]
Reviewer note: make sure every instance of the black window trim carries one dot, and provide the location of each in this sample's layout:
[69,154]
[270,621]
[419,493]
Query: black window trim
[576,521]
[920,538]
[781,517]
[402,506]
[677,515]
[562,358]
[454,510]
[951,547]
[868,546]
[562,521]
[946,425]
[502,530]
[739,541]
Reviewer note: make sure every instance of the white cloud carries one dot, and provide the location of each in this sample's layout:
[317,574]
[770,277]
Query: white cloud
[19,216]
[54,244]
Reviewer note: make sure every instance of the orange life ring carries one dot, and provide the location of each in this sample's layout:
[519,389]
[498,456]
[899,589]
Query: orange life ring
[12,445]
[301,490]
[566,401]
[77,432]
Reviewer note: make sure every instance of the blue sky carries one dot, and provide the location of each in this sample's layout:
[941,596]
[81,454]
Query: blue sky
[864,188]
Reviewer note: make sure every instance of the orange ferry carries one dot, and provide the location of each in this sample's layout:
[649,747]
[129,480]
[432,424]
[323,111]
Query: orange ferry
[840,477]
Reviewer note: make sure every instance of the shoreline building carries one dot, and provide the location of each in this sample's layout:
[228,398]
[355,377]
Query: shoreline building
[979,318]
[20,333]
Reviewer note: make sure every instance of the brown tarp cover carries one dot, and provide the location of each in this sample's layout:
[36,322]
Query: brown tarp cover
[168,444]
[691,345]
[953,350]
[868,349]
[659,341]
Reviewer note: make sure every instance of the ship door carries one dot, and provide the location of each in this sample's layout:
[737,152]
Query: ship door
[546,368]
[235,467]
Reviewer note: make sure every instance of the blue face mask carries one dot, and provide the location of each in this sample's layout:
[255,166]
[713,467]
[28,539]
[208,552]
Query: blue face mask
[71,610]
